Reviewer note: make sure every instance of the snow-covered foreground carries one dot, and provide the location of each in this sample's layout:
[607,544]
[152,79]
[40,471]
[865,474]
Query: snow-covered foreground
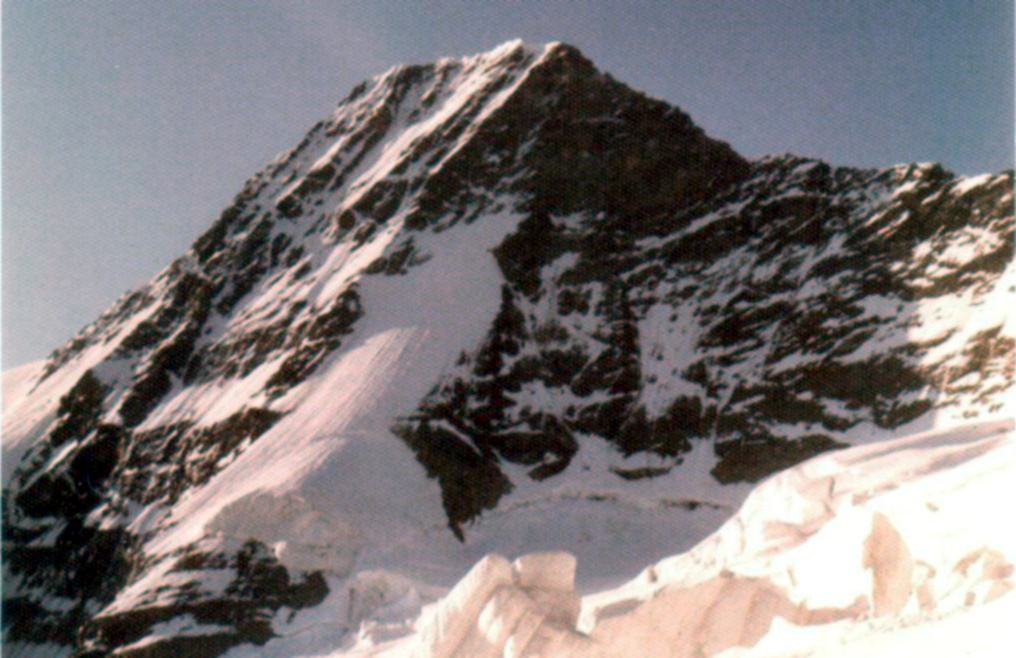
[877,550]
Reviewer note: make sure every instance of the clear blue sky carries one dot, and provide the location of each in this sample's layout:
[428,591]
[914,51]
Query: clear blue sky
[127,125]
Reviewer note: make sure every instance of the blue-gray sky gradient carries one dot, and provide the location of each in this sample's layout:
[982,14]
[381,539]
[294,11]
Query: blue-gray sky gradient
[127,125]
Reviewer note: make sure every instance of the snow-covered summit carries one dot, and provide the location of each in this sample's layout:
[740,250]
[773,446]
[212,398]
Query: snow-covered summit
[496,304]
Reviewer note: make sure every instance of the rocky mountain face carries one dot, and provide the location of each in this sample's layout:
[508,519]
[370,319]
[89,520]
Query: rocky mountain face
[480,286]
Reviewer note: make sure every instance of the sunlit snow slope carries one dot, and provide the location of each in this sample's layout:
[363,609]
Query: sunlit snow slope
[502,304]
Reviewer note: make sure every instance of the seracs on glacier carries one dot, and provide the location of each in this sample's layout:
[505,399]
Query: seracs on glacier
[876,550]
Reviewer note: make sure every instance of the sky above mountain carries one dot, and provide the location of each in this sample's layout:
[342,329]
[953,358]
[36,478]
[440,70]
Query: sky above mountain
[128,125]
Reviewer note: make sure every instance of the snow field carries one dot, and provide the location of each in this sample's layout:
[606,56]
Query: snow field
[882,548]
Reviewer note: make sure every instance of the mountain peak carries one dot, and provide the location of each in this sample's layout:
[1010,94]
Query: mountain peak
[484,300]
[514,46]
[505,53]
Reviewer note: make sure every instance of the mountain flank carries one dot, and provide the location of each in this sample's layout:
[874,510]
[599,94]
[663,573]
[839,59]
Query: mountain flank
[503,303]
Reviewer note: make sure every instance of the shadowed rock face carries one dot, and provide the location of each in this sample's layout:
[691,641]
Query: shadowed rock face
[771,318]
[658,293]
[240,612]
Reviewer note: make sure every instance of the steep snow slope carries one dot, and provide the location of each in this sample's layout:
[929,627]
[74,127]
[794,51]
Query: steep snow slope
[875,550]
[499,304]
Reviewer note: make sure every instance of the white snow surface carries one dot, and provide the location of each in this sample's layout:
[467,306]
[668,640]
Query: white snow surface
[882,549]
